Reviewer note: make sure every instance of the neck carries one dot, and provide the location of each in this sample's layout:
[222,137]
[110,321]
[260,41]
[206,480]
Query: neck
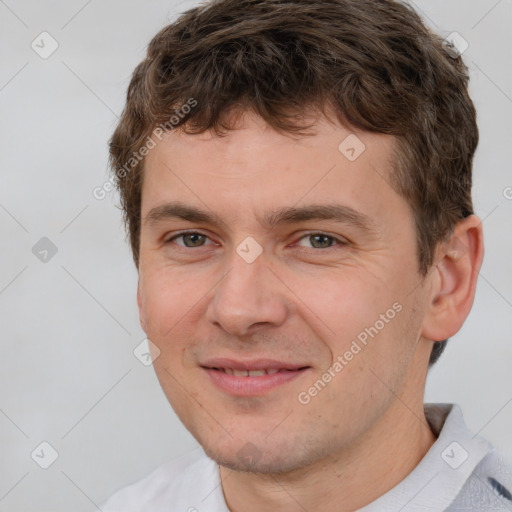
[346,481]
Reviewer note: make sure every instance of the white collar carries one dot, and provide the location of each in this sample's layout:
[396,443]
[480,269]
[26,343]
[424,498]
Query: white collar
[437,480]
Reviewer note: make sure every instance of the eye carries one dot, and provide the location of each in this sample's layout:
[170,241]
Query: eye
[320,241]
[189,239]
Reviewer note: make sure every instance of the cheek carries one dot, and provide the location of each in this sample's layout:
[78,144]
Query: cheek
[170,301]
[341,304]
[363,323]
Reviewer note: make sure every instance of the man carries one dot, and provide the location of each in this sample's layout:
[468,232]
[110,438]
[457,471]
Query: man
[296,184]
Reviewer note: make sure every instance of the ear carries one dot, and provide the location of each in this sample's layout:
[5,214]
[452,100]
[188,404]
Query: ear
[453,280]
[140,300]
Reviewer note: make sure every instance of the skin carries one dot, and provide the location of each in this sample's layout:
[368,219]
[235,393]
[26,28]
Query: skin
[301,302]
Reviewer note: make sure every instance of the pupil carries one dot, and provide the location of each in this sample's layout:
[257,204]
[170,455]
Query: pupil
[320,241]
[194,239]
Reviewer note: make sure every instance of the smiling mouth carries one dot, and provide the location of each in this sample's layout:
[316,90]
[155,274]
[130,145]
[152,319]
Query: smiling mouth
[256,373]
[255,377]
[246,382]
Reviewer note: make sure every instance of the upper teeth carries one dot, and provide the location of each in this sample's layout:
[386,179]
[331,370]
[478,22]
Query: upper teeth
[250,373]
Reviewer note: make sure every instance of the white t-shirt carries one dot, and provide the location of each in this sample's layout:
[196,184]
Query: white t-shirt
[460,473]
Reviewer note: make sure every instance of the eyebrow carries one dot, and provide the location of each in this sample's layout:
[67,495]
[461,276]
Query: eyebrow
[286,215]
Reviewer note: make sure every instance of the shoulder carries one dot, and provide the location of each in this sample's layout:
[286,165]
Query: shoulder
[488,488]
[177,483]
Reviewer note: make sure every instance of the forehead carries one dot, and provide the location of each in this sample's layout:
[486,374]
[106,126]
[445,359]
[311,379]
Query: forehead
[251,135]
[255,168]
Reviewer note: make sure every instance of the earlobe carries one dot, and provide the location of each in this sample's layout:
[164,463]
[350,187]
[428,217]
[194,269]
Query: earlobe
[454,280]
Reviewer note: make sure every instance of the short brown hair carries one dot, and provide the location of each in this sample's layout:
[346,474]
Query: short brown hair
[371,62]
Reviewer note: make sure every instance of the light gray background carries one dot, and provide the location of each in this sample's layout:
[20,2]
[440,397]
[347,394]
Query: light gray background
[68,375]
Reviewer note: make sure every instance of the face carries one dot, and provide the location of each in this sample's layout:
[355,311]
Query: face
[290,258]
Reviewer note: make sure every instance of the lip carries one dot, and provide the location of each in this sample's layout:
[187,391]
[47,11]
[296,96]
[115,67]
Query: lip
[253,385]
[253,364]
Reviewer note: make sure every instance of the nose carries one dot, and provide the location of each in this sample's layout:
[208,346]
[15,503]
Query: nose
[248,297]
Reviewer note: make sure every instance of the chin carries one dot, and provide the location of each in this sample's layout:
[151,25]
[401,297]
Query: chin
[265,458]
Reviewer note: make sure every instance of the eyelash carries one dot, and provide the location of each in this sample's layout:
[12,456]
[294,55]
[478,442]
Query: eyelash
[338,241]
